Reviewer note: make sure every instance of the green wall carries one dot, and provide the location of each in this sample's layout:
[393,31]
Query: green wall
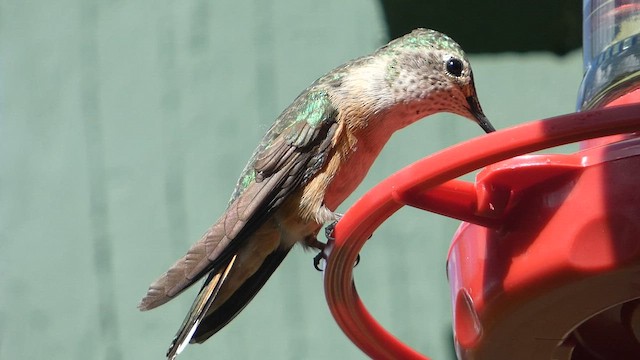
[123,126]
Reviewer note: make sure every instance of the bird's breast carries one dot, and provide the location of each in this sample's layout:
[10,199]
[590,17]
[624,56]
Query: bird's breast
[351,158]
[354,166]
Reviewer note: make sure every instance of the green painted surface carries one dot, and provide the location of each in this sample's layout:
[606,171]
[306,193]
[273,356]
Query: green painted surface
[123,127]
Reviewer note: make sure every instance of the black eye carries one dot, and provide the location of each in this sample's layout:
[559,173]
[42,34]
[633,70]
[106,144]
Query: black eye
[454,67]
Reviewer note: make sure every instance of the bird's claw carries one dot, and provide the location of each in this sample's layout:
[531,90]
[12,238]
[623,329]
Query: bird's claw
[318,259]
[325,249]
[323,254]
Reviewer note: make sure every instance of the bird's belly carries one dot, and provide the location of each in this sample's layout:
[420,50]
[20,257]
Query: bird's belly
[348,177]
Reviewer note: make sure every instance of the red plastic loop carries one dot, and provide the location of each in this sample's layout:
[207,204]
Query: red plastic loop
[430,179]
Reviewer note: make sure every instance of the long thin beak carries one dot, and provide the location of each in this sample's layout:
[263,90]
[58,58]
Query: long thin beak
[476,111]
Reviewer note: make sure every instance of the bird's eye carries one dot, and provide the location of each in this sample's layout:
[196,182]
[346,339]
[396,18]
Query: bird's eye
[454,67]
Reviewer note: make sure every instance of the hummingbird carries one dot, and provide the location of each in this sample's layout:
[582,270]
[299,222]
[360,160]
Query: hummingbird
[315,154]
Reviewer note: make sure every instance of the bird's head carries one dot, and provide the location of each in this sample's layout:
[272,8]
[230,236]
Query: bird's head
[427,72]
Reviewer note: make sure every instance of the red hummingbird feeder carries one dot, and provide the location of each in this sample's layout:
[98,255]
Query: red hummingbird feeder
[546,264]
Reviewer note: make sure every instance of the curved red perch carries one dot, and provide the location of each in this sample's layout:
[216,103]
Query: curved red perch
[430,181]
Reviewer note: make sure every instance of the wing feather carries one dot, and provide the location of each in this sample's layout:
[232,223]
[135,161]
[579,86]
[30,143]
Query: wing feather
[296,149]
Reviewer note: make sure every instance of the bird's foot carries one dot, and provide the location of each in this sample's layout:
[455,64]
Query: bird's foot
[325,249]
[321,257]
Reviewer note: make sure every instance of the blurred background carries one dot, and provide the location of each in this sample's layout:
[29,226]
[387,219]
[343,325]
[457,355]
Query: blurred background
[123,127]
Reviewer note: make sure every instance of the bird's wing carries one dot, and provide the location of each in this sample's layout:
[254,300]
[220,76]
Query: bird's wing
[293,150]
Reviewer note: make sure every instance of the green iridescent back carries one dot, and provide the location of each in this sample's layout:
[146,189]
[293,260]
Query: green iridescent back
[311,106]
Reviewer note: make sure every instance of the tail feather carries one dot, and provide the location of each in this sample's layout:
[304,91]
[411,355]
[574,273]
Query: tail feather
[221,316]
[198,310]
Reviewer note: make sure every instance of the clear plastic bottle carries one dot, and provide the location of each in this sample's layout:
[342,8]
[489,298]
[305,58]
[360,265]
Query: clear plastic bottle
[611,45]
